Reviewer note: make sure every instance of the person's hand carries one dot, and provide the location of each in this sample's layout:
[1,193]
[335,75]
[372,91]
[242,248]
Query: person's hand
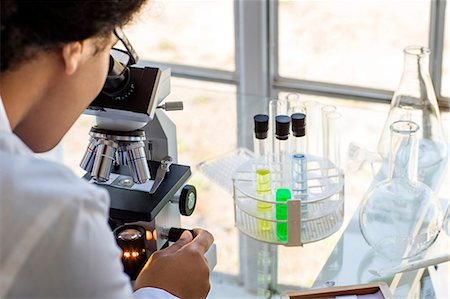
[181,268]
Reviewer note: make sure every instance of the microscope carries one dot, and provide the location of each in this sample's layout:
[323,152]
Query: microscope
[132,153]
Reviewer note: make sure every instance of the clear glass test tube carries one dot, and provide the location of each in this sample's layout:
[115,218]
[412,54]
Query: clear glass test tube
[298,158]
[283,106]
[276,107]
[282,150]
[273,112]
[294,104]
[263,181]
[313,123]
[325,130]
[283,194]
[334,137]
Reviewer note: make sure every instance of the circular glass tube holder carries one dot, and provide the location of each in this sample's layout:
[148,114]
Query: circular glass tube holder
[311,217]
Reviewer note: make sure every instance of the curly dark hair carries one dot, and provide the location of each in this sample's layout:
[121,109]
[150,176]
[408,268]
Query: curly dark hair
[30,26]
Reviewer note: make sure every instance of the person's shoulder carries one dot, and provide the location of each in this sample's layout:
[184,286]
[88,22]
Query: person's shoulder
[41,182]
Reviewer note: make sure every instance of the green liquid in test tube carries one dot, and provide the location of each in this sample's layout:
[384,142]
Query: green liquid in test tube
[282,195]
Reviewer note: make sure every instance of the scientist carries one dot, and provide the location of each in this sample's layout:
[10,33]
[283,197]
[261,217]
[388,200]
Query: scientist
[54,237]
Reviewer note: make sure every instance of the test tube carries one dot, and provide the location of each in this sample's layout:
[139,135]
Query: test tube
[282,196]
[273,112]
[276,107]
[292,97]
[283,193]
[313,123]
[293,101]
[299,181]
[294,104]
[263,181]
[334,142]
[281,153]
[283,106]
[325,130]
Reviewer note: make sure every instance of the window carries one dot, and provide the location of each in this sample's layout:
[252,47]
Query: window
[349,42]
[196,33]
[205,128]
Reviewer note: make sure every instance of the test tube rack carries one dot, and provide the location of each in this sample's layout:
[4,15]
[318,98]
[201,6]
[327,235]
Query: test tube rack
[311,217]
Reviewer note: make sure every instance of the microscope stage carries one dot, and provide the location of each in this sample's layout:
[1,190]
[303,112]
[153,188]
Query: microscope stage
[135,203]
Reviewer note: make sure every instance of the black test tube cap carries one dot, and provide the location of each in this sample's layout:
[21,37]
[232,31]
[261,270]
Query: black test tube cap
[298,124]
[283,122]
[261,125]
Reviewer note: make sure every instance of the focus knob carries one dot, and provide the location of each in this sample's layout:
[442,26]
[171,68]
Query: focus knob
[188,199]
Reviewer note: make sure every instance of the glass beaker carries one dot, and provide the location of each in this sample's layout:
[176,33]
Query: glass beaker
[400,217]
[415,100]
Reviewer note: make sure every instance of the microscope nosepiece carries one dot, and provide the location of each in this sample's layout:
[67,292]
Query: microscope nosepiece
[109,148]
[89,156]
[104,159]
[137,162]
[121,156]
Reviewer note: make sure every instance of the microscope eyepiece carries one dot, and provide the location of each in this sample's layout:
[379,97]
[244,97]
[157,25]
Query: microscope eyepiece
[118,78]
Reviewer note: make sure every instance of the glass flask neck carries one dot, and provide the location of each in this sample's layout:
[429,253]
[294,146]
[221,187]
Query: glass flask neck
[417,60]
[404,150]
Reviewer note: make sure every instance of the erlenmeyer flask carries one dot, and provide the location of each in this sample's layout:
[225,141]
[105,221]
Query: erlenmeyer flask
[415,100]
[400,217]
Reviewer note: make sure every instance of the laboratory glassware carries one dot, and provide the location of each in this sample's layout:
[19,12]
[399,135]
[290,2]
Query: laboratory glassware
[299,181]
[263,182]
[326,129]
[282,127]
[400,217]
[415,100]
[276,107]
[283,194]
[332,140]
[273,112]
[295,219]
[295,105]
[314,125]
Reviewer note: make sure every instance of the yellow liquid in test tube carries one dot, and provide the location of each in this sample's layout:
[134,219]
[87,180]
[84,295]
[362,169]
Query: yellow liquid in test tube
[263,187]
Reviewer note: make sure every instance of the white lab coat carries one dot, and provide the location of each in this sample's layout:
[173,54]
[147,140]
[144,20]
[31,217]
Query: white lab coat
[54,237]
